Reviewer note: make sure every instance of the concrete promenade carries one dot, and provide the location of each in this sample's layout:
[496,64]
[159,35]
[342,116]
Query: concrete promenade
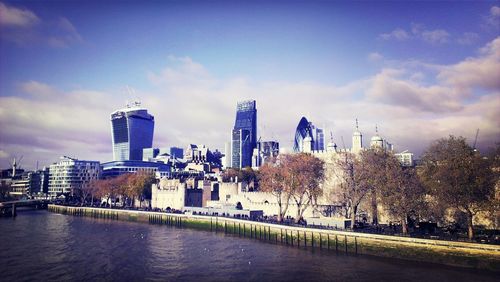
[463,254]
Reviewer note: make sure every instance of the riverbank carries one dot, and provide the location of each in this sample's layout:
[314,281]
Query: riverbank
[471,255]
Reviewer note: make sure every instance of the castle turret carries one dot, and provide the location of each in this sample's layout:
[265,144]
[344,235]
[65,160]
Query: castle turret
[357,140]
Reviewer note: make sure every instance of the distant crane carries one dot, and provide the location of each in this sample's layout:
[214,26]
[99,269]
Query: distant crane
[475,140]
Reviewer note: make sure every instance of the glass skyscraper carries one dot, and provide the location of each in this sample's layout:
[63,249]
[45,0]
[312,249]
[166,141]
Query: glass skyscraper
[308,129]
[244,134]
[132,130]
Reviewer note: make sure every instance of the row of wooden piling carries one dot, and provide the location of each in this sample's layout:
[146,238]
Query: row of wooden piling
[77,211]
[308,239]
[272,234]
[165,220]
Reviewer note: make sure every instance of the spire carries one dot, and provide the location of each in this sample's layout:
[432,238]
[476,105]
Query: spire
[376,129]
[357,124]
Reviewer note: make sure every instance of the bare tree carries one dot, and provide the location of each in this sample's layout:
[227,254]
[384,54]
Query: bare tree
[353,186]
[403,193]
[305,173]
[272,180]
[87,190]
[457,176]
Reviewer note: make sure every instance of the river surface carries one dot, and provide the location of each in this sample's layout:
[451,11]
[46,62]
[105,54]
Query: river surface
[43,246]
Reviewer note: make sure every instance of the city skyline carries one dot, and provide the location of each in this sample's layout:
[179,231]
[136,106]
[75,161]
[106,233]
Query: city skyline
[420,71]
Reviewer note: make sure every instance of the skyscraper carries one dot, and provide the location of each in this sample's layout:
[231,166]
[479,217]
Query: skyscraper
[244,134]
[308,129]
[132,131]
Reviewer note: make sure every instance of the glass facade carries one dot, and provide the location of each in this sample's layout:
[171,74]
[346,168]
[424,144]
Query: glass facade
[244,134]
[304,129]
[132,131]
[70,174]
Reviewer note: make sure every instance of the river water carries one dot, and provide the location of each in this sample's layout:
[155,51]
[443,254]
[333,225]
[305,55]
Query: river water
[43,246]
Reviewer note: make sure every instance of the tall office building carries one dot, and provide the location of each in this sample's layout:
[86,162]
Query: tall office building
[315,134]
[244,134]
[132,130]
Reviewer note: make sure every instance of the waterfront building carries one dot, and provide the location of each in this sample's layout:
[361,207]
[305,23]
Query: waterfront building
[244,134]
[70,174]
[30,183]
[116,168]
[131,130]
[308,129]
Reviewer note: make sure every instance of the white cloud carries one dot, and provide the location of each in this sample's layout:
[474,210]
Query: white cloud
[397,34]
[482,71]
[492,19]
[389,86]
[63,34]
[437,36]
[468,38]
[24,28]
[3,154]
[495,11]
[375,57]
[191,105]
[11,16]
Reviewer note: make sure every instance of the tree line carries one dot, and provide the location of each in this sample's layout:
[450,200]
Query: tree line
[453,183]
[128,187]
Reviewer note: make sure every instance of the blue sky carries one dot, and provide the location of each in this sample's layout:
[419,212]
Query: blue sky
[420,70]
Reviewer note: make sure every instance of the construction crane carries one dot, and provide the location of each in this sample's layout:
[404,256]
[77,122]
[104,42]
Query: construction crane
[475,140]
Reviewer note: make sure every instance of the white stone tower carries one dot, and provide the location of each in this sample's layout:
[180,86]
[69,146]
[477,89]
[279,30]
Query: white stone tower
[357,140]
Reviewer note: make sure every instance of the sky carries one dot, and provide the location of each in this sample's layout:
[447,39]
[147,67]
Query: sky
[419,71]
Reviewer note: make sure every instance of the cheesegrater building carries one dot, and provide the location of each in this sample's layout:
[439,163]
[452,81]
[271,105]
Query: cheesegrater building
[132,131]
[244,134]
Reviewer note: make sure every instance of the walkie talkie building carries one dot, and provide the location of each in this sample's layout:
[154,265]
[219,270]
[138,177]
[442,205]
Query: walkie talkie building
[244,134]
[131,130]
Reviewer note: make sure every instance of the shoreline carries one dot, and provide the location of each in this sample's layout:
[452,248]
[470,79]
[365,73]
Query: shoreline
[458,254]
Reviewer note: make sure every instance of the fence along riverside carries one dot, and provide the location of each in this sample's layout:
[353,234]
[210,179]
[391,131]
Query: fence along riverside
[461,254]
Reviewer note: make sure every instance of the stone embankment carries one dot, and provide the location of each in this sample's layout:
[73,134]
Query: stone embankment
[480,256]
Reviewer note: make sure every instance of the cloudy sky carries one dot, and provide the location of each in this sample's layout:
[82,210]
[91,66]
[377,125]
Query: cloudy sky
[420,71]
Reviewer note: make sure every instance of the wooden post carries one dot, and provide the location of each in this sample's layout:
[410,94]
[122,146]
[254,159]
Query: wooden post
[336,243]
[328,238]
[345,242]
[298,239]
[320,241]
[305,239]
[312,239]
[356,244]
